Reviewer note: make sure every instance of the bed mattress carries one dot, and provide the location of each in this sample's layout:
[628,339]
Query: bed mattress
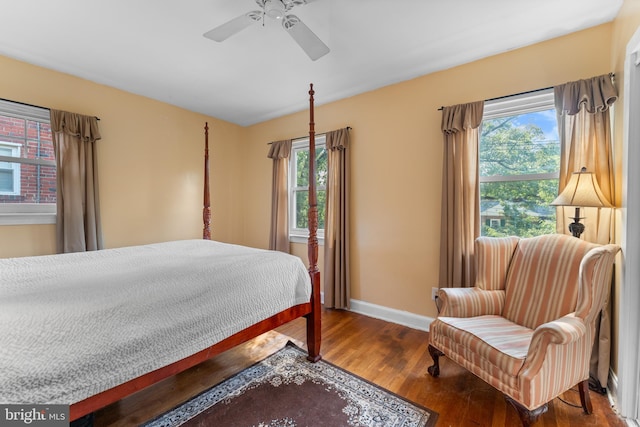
[74,325]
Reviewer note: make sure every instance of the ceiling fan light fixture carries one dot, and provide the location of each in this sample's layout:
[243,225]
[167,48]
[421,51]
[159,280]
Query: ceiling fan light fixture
[274,9]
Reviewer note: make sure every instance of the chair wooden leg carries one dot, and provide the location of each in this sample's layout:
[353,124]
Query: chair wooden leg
[434,369]
[585,399]
[527,416]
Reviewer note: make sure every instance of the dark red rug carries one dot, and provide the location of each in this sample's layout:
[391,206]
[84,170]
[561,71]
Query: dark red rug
[286,390]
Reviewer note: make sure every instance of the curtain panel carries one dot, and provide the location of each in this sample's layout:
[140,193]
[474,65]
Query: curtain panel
[337,281]
[460,218]
[584,126]
[583,111]
[280,152]
[78,225]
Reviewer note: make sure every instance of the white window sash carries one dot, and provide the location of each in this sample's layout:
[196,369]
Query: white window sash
[299,235]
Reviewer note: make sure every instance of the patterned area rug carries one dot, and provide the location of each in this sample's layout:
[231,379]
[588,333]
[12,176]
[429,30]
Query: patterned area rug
[286,390]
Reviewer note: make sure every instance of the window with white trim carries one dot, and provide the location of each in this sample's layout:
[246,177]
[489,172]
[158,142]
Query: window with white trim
[519,161]
[299,188]
[27,165]
[9,171]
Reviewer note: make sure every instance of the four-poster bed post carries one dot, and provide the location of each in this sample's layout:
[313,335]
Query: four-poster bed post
[313,318]
[206,211]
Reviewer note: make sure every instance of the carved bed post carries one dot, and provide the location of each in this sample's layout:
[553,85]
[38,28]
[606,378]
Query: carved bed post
[314,318]
[206,211]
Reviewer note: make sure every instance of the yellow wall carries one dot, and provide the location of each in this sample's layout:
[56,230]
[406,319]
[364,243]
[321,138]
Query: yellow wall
[397,160]
[150,162]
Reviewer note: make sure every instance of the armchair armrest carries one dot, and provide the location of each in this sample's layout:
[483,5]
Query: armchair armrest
[563,331]
[470,302]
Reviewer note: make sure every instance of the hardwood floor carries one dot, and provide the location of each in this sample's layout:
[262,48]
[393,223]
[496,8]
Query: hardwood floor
[392,356]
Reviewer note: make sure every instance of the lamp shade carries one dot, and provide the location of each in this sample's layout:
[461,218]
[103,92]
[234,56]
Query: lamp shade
[582,190]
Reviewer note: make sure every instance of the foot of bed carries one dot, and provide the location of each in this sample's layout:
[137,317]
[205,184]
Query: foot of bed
[314,319]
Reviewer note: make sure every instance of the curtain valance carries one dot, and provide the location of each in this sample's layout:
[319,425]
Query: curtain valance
[73,124]
[457,118]
[280,149]
[338,139]
[596,94]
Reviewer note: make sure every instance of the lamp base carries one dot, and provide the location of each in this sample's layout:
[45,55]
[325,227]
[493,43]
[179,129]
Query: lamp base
[576,228]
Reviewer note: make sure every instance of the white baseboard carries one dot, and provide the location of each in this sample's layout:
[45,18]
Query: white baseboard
[392,315]
[612,394]
[612,389]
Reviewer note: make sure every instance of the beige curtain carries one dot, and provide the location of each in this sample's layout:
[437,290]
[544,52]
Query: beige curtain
[337,283]
[584,127]
[279,232]
[460,221]
[78,210]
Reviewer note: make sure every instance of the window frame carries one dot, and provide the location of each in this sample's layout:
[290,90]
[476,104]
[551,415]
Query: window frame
[26,213]
[301,235]
[520,104]
[14,166]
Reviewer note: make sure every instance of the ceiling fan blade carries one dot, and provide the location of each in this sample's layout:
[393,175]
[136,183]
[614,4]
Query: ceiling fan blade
[306,39]
[234,26]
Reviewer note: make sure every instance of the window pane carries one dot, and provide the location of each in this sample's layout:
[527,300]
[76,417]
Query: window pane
[27,139]
[322,197]
[6,180]
[521,144]
[518,208]
[302,168]
[321,167]
[302,209]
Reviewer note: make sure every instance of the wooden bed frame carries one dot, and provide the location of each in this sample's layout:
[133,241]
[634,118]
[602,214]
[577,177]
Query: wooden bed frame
[311,310]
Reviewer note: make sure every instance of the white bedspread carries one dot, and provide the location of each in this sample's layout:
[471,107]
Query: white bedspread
[74,325]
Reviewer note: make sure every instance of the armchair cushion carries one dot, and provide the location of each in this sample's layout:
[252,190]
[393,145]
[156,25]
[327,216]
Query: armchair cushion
[490,340]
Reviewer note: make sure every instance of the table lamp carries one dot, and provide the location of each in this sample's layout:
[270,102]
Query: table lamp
[582,190]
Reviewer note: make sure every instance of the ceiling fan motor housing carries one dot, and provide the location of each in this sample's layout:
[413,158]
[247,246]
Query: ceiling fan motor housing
[274,9]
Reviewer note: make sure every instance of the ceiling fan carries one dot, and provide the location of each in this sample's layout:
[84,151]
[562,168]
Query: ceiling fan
[275,9]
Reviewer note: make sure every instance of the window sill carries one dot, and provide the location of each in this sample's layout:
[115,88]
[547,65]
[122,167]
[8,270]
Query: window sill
[27,218]
[295,238]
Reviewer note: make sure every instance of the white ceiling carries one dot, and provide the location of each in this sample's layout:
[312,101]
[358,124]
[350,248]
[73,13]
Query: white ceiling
[156,48]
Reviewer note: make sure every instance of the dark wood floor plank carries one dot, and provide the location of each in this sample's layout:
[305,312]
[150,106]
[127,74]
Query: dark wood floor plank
[392,356]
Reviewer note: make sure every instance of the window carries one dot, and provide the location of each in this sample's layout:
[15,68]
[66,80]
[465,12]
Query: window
[299,188]
[9,172]
[519,162]
[27,165]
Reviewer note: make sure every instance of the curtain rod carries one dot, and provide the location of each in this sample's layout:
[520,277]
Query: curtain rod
[32,105]
[317,134]
[612,75]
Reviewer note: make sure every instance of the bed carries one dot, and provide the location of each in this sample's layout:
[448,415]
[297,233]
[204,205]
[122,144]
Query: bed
[125,318]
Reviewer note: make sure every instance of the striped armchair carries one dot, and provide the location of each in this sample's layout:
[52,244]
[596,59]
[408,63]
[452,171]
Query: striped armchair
[527,327]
